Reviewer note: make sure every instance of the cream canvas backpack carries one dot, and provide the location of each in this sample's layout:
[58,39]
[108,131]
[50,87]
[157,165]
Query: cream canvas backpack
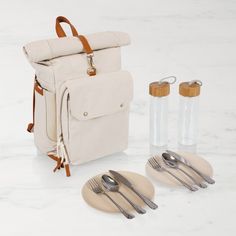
[81,95]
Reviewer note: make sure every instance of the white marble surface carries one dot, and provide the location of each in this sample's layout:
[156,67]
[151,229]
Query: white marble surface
[192,39]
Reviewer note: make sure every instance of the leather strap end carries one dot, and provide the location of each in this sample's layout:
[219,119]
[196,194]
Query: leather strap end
[38,88]
[67,169]
[53,157]
[85,43]
[58,166]
[30,128]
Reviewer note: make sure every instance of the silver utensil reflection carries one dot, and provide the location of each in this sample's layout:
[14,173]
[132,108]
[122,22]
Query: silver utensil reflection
[173,163]
[126,182]
[155,165]
[111,185]
[96,188]
[182,160]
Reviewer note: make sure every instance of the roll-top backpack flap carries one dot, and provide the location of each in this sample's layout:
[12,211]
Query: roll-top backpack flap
[45,50]
[97,121]
[57,60]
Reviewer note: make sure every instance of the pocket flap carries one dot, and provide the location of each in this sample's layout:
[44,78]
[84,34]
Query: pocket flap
[100,95]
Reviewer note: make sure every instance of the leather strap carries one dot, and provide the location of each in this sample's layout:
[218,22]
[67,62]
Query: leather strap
[85,43]
[37,88]
[60,164]
[86,47]
[59,30]
[61,33]
[67,169]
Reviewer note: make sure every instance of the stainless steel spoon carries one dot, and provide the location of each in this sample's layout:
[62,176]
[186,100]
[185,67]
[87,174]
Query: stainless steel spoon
[182,160]
[112,185]
[97,189]
[156,166]
[173,163]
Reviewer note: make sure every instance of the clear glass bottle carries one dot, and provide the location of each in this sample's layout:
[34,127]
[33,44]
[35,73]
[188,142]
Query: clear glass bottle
[188,115]
[158,113]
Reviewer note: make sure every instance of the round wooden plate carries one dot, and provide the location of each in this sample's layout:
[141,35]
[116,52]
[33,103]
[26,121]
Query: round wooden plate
[166,179]
[101,202]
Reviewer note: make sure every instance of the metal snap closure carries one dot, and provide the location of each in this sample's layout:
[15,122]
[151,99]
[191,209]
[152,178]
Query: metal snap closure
[121,105]
[85,113]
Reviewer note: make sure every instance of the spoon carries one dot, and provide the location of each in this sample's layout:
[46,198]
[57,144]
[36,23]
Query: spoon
[153,162]
[182,160]
[173,163]
[112,185]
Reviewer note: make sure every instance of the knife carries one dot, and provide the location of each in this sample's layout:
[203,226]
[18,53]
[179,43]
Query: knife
[182,160]
[126,182]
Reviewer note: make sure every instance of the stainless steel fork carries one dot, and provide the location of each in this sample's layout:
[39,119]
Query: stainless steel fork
[157,166]
[96,188]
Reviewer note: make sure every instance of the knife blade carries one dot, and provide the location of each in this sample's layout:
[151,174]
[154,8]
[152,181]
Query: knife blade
[120,178]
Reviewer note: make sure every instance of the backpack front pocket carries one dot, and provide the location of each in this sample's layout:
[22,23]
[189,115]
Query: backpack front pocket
[95,115]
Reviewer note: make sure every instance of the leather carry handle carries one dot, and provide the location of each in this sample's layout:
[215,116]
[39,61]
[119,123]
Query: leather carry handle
[61,33]
[86,47]
[59,30]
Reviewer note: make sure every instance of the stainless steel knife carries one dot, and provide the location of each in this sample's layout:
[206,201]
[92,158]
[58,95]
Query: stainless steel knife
[182,160]
[126,182]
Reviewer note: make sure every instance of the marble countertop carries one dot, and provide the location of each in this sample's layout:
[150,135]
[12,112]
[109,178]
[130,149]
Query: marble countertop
[189,39]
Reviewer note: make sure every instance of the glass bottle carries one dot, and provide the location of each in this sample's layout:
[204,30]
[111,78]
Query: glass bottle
[158,113]
[188,115]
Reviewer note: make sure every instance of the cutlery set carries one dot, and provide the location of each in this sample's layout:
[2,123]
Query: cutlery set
[107,184]
[173,160]
[177,166]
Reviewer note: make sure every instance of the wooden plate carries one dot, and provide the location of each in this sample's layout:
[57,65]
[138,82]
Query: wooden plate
[101,202]
[166,179]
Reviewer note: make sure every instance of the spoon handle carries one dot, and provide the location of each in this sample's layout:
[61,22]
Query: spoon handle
[125,213]
[139,209]
[149,202]
[208,179]
[192,188]
[202,185]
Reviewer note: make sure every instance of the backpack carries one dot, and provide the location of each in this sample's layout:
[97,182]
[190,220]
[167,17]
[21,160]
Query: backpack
[81,96]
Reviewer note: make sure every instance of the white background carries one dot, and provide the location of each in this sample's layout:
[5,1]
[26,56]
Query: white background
[191,39]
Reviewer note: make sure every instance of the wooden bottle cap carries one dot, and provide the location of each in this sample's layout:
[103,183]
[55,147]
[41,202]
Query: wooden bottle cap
[157,89]
[190,89]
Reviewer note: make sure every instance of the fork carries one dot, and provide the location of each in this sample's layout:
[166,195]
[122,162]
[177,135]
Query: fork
[156,165]
[96,188]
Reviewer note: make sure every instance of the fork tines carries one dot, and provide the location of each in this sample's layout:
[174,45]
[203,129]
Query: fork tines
[154,163]
[94,185]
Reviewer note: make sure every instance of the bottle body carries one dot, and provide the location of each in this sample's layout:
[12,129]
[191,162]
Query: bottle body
[158,123]
[188,121]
